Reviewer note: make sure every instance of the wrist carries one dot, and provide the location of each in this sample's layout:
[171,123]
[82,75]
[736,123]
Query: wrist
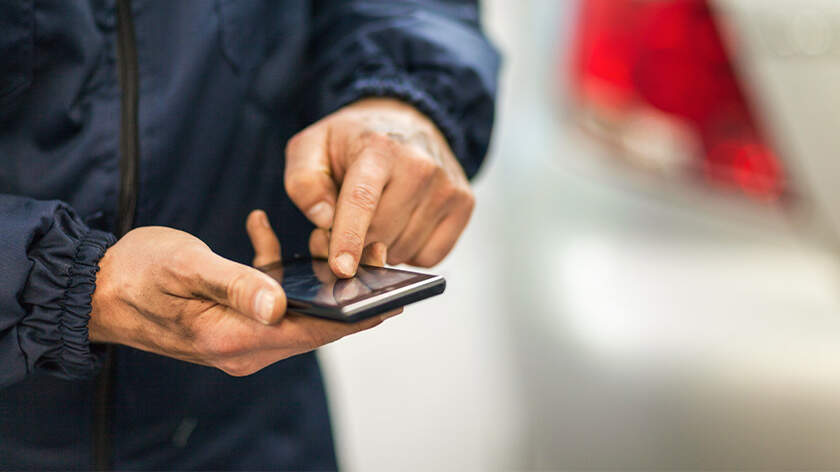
[391,105]
[101,302]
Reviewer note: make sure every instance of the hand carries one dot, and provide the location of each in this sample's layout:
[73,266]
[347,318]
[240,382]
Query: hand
[164,291]
[379,171]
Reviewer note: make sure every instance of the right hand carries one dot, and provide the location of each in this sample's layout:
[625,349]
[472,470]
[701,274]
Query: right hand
[164,291]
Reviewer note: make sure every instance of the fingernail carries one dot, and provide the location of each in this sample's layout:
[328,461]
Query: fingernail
[321,214]
[264,305]
[346,264]
[270,280]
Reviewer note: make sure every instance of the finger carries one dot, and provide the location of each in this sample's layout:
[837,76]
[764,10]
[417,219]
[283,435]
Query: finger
[375,254]
[442,239]
[306,333]
[319,243]
[296,335]
[245,289]
[423,221]
[399,200]
[308,178]
[265,243]
[360,194]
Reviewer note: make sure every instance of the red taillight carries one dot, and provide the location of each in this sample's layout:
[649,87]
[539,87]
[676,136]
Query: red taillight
[666,58]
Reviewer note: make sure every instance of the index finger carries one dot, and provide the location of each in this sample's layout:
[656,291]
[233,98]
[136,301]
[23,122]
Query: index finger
[357,202]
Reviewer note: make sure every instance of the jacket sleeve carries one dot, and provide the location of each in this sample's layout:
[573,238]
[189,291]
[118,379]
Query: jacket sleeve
[430,53]
[48,261]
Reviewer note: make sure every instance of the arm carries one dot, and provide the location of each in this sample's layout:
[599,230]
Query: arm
[48,261]
[157,289]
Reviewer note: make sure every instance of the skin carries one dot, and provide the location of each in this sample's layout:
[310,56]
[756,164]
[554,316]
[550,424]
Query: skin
[378,171]
[380,183]
[164,291]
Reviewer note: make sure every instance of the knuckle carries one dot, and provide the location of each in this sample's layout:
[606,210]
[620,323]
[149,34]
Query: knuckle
[446,194]
[351,239]
[364,197]
[378,150]
[424,167]
[235,288]
[294,142]
[371,163]
[181,265]
[377,139]
[466,197]
[428,259]
[469,202]
[300,183]
[440,173]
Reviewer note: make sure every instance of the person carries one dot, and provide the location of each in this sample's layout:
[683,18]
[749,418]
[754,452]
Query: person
[136,139]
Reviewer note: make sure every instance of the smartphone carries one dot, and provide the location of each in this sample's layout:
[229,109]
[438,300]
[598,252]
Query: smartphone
[312,289]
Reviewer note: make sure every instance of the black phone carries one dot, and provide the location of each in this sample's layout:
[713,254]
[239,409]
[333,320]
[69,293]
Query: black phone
[312,289]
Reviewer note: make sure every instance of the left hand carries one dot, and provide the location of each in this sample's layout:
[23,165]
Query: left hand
[164,291]
[378,171]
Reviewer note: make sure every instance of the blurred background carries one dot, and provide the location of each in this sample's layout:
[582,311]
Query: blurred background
[650,279]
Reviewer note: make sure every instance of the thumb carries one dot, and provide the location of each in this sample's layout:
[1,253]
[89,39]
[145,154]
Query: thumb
[308,178]
[247,290]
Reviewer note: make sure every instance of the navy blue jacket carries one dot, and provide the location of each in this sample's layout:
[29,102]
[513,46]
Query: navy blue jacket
[222,85]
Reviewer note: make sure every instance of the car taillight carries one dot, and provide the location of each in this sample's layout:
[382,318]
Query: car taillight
[654,77]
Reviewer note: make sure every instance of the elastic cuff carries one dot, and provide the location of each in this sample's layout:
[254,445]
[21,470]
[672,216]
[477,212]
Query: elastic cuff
[76,356]
[401,87]
[53,336]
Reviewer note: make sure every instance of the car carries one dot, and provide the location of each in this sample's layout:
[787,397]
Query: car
[730,104]
[633,292]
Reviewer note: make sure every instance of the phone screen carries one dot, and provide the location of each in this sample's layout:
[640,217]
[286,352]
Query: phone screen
[309,282]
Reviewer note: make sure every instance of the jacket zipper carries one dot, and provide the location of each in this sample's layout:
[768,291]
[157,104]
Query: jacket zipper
[126,208]
[129,144]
